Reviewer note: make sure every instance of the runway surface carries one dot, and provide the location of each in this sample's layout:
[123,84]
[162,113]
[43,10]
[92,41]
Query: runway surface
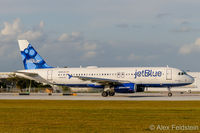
[97,96]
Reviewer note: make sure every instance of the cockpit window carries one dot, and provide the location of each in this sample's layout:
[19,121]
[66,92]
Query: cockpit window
[182,73]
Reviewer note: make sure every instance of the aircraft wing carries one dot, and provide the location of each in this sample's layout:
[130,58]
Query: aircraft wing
[5,75]
[31,76]
[28,74]
[102,81]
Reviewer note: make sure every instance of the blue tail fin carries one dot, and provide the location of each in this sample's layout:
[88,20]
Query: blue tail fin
[30,57]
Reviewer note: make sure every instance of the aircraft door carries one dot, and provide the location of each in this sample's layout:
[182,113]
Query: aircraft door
[49,75]
[169,74]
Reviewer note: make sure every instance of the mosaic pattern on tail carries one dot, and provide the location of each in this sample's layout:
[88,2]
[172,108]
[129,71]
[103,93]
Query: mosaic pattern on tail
[32,60]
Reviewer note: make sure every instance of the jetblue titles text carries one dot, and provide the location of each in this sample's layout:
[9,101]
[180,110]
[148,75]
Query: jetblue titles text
[147,73]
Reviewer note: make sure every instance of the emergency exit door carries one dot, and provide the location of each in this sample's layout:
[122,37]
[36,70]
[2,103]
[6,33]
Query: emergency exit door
[49,75]
[169,74]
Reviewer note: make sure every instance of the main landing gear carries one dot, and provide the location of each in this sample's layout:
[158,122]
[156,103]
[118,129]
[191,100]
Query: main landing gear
[108,91]
[169,92]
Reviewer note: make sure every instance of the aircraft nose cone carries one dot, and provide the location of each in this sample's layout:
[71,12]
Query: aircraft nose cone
[191,80]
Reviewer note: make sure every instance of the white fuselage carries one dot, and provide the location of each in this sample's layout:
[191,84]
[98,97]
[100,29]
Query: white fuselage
[146,76]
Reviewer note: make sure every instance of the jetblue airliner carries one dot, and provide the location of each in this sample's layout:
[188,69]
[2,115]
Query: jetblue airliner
[111,80]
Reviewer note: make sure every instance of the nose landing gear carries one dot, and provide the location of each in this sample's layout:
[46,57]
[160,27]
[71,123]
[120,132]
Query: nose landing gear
[169,92]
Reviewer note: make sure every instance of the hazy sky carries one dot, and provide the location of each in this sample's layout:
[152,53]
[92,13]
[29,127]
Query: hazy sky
[102,32]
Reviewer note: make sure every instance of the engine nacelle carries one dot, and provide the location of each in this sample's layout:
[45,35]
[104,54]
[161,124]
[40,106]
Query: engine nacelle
[125,88]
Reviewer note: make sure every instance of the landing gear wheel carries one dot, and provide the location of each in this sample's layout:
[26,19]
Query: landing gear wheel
[169,94]
[104,93]
[111,93]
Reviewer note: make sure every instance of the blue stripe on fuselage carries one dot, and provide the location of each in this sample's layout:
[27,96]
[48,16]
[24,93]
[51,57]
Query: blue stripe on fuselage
[102,86]
[82,85]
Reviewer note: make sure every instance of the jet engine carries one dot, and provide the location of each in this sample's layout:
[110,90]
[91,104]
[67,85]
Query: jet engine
[125,88]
